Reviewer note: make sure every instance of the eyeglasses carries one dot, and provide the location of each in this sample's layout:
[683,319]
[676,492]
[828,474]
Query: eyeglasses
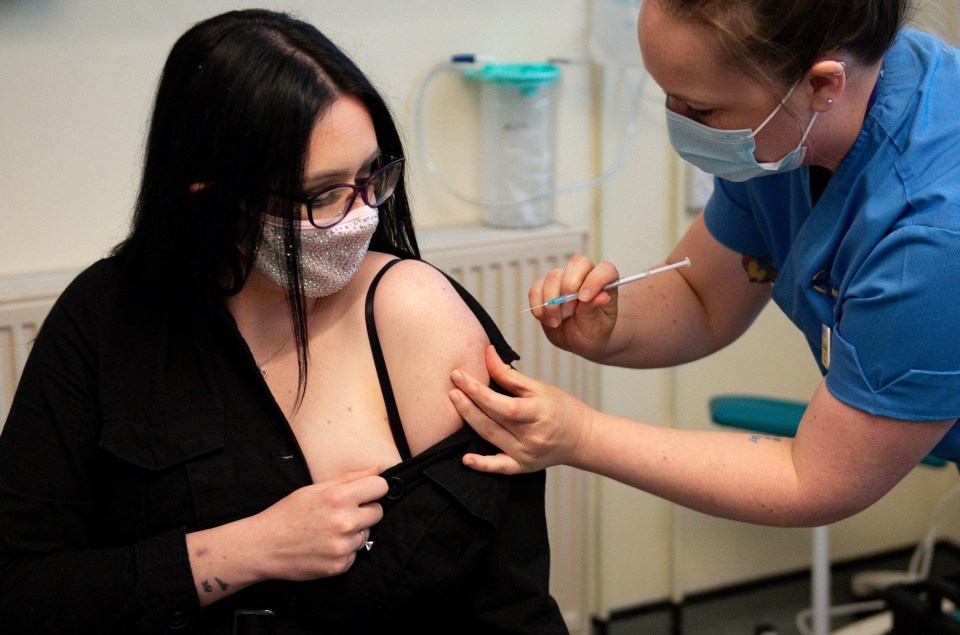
[327,207]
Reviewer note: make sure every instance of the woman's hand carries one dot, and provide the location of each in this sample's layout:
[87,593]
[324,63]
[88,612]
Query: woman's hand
[316,531]
[582,326]
[539,427]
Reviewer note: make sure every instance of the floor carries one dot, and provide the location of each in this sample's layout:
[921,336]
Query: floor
[766,608]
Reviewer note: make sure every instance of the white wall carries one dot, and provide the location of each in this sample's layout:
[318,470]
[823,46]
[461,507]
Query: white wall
[941,17]
[77,79]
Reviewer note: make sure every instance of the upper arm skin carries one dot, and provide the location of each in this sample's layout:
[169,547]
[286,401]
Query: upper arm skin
[673,319]
[426,331]
[846,459]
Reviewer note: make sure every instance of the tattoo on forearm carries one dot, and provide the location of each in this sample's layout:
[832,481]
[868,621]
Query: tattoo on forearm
[764,437]
[760,269]
[208,588]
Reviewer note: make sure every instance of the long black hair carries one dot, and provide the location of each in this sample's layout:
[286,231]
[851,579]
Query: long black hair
[237,100]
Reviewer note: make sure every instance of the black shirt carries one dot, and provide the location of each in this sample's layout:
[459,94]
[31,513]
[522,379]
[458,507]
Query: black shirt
[135,423]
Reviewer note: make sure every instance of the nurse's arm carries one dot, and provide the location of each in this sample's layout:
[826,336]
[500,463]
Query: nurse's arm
[841,461]
[672,319]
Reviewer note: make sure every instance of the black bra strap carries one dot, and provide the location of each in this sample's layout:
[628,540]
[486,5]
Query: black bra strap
[393,415]
[506,353]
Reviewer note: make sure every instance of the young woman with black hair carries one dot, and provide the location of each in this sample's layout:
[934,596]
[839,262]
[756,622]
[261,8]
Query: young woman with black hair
[244,408]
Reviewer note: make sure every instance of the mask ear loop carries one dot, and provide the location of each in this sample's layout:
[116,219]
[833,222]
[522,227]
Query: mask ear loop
[809,127]
[775,110]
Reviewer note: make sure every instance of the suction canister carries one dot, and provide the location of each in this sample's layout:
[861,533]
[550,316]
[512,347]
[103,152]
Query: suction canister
[518,111]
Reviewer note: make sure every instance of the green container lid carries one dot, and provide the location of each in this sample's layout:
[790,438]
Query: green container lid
[527,77]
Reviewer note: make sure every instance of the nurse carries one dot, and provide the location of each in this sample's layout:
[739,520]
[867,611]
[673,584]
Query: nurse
[834,134]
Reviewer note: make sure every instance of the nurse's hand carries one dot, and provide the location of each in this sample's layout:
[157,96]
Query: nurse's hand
[582,326]
[540,426]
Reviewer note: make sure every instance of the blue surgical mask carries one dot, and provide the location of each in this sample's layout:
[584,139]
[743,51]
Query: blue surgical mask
[729,153]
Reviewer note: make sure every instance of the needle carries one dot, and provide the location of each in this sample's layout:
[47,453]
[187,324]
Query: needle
[616,283]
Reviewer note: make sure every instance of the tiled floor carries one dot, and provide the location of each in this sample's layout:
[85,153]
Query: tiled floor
[773,605]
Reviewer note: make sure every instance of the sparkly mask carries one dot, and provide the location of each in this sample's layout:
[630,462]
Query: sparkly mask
[329,258]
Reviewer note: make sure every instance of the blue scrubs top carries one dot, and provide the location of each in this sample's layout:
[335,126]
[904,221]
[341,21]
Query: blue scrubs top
[877,259]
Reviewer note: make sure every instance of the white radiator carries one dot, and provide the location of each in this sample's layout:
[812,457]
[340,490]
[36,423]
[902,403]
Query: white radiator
[24,302]
[497,267]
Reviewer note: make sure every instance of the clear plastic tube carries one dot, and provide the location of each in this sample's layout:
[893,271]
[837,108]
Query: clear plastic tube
[455,64]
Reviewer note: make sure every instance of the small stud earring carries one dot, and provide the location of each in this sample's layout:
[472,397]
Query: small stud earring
[829,101]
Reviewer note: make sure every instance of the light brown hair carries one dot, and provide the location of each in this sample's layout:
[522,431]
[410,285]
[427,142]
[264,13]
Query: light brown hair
[779,41]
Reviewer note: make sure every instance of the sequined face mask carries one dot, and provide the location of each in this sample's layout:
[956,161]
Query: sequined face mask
[329,258]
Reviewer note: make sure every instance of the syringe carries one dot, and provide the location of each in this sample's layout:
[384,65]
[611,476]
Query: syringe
[616,283]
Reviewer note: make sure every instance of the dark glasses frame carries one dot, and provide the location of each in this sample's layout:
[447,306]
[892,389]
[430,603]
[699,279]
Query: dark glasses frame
[361,188]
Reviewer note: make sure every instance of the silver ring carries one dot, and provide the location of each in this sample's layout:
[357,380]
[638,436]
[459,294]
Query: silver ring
[366,544]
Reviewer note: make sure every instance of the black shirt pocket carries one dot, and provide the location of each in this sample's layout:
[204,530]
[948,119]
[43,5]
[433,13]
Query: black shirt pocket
[160,440]
[165,470]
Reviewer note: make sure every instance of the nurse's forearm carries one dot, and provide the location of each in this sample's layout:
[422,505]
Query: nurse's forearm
[664,321]
[737,475]
[688,313]
[660,324]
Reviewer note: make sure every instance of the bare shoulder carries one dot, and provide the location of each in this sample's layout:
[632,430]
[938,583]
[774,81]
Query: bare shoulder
[419,308]
[412,289]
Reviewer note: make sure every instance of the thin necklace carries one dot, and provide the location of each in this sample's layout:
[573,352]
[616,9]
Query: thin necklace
[263,362]
[263,371]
